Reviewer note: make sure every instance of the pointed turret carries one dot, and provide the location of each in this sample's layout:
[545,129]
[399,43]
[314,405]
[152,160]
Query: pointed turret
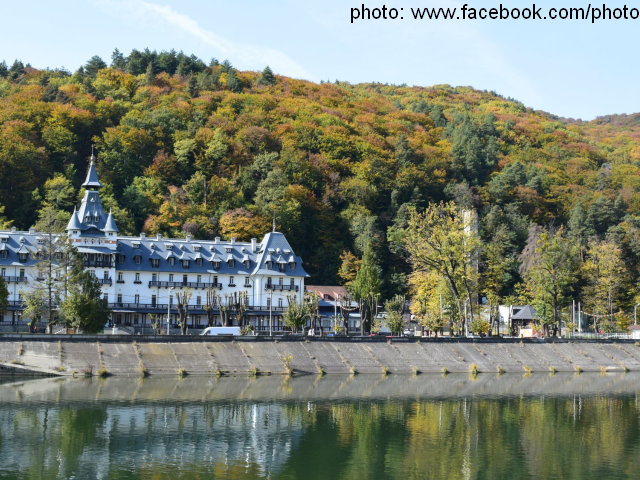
[92,181]
[110,225]
[74,223]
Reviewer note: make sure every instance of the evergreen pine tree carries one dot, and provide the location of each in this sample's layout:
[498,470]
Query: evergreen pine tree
[267,77]
[94,64]
[233,83]
[4,71]
[117,60]
[192,86]
[404,153]
[182,69]
[149,76]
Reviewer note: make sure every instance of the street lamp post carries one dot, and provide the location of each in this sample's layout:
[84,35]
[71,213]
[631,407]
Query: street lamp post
[168,307]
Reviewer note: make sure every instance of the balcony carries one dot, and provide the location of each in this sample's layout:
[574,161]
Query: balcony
[98,263]
[137,282]
[119,281]
[272,286]
[155,283]
[106,281]
[15,279]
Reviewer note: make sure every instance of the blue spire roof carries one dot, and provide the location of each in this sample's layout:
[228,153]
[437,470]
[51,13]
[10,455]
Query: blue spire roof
[92,177]
[74,224]
[110,226]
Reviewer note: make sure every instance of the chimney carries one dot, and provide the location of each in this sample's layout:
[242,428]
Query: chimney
[143,236]
[13,229]
[32,231]
[159,237]
[233,240]
[253,245]
[217,240]
[188,238]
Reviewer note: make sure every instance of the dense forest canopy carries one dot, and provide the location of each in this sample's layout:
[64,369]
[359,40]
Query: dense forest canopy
[185,146]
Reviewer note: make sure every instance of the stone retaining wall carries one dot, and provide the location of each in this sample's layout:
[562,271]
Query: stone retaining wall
[172,355]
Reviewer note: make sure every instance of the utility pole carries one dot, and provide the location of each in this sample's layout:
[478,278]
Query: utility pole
[270,309]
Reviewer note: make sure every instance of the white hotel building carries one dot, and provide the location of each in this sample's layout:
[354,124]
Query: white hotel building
[141,275]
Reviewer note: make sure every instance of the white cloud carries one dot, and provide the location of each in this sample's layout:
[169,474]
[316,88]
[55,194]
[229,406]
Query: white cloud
[254,57]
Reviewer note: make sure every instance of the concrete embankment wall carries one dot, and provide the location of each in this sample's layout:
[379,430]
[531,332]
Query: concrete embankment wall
[129,356]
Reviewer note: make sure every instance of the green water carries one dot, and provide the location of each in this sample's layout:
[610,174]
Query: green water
[368,427]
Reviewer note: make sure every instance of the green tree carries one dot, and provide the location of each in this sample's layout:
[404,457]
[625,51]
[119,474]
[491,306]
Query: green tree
[551,272]
[444,240]
[150,75]
[94,64]
[182,298]
[267,77]
[394,309]
[296,314]
[117,60]
[366,288]
[233,83]
[192,86]
[84,307]
[4,297]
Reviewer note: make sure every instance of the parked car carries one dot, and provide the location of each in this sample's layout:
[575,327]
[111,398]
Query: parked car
[408,332]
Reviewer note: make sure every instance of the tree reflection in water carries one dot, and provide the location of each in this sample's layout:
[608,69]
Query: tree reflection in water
[333,427]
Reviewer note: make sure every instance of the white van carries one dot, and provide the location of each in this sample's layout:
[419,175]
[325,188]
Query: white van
[221,331]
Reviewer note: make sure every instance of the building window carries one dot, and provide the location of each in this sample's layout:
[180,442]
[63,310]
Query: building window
[185,279]
[22,273]
[137,299]
[119,298]
[22,257]
[198,300]
[269,265]
[292,282]
[155,263]
[153,300]
[136,318]
[268,280]
[5,254]
[199,279]
[138,259]
[215,280]
[106,297]
[280,281]
[172,261]
[232,263]
[171,277]
[292,266]
[280,302]
[281,267]
[231,283]
[154,277]
[247,264]
[170,299]
[119,276]
[4,272]
[137,278]
[268,302]
[246,282]
[215,265]
[185,264]
[199,262]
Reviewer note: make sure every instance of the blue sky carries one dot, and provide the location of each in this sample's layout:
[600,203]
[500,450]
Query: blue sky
[568,68]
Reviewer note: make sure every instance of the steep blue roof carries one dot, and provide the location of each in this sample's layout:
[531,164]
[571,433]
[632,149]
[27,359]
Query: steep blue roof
[74,224]
[92,176]
[110,225]
[275,248]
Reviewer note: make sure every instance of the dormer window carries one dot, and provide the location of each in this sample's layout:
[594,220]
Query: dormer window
[247,264]
[196,248]
[96,219]
[172,261]
[155,263]
[215,265]
[138,259]
[4,254]
[227,249]
[4,239]
[22,257]
[292,266]
[281,267]
[87,219]
[185,264]
[199,262]
[270,265]
[231,263]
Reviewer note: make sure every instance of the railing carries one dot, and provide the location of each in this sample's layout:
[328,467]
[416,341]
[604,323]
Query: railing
[155,283]
[98,263]
[163,307]
[15,279]
[271,286]
[106,281]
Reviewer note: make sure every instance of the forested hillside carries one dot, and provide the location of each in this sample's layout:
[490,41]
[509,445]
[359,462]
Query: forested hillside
[189,147]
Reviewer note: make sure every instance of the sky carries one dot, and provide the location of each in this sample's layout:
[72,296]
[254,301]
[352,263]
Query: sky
[570,68]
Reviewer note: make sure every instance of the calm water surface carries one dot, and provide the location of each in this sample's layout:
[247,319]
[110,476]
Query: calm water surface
[538,426]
